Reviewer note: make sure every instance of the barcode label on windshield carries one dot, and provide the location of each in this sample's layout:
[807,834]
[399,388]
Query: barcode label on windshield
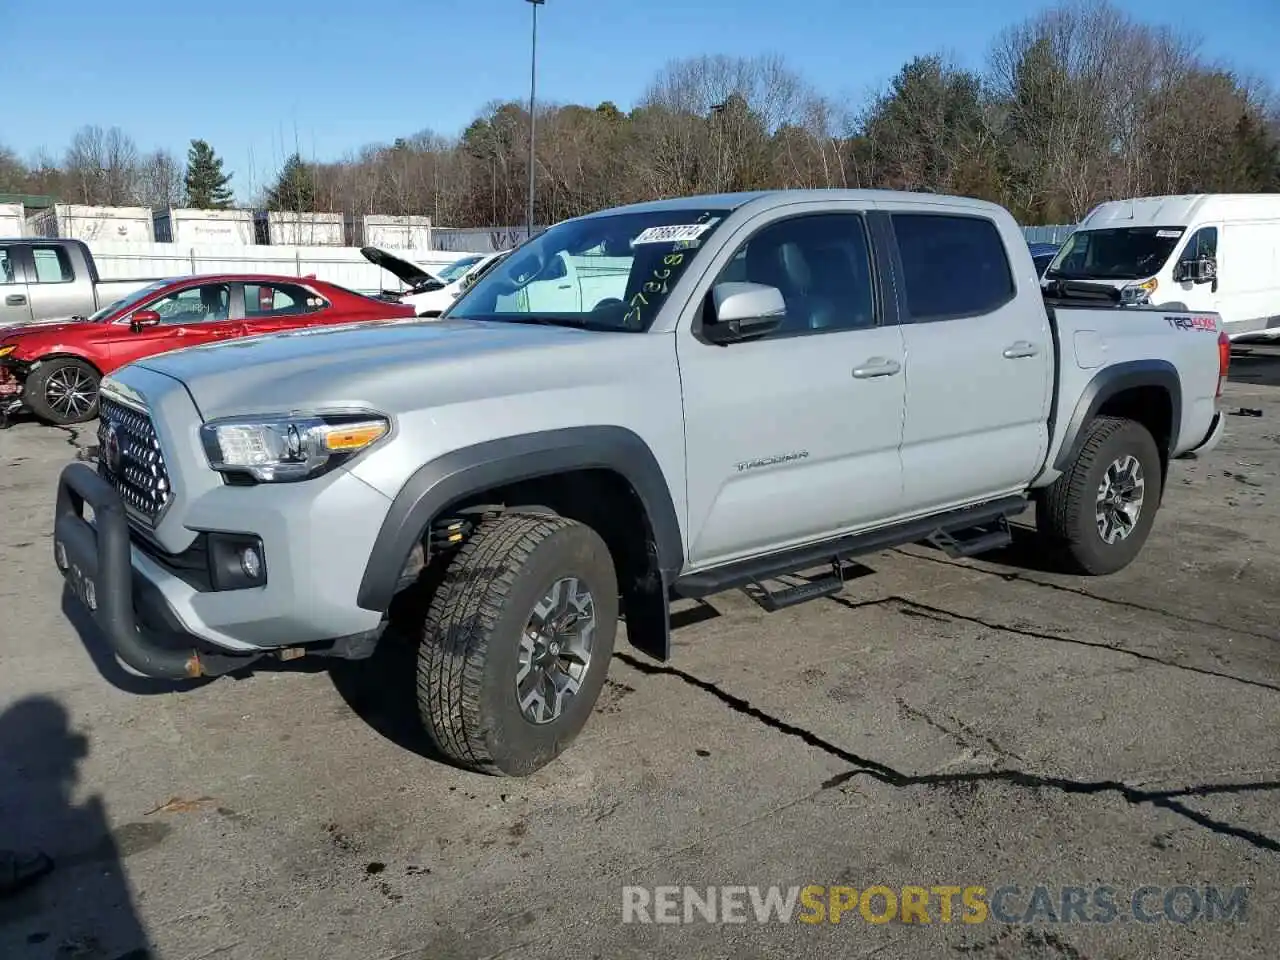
[1166,234]
[673,234]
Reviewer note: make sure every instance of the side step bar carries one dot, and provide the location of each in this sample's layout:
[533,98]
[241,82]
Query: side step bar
[775,600]
[990,519]
[974,540]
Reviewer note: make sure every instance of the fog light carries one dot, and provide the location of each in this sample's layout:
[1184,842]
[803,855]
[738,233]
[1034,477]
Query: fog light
[250,563]
[60,555]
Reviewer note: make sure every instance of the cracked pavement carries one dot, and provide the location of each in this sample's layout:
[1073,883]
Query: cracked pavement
[968,722]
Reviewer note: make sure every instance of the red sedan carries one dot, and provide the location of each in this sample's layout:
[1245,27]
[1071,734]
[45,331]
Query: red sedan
[53,369]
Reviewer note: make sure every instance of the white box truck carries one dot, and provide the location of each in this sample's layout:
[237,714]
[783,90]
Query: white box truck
[76,222]
[13,221]
[300,229]
[1217,253]
[397,233]
[190,226]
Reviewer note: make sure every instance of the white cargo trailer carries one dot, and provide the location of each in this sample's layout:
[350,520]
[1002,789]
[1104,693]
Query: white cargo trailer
[76,222]
[13,221]
[300,229]
[204,226]
[397,233]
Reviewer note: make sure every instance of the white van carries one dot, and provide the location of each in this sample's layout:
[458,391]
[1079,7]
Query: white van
[1212,252]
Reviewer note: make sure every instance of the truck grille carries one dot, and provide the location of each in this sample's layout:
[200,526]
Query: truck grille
[129,458]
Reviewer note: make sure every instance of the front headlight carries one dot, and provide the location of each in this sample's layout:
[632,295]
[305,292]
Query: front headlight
[286,448]
[5,351]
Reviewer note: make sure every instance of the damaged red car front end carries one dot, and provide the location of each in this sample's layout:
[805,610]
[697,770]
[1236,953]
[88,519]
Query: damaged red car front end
[12,384]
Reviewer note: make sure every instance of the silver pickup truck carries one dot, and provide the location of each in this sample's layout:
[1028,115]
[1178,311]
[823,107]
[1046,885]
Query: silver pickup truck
[749,386]
[48,281]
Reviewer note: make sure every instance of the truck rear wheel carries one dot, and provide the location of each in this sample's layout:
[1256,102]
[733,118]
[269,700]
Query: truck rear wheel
[63,391]
[1100,511]
[517,643]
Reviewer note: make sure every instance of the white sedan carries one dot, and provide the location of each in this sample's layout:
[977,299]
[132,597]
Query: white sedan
[430,294]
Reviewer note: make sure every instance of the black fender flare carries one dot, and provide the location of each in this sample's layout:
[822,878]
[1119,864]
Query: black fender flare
[469,470]
[1110,381]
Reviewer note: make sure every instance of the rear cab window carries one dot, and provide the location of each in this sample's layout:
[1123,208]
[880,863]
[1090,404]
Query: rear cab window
[52,264]
[953,265]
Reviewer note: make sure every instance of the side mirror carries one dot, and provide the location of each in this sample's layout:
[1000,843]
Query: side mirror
[744,311]
[1203,270]
[144,318]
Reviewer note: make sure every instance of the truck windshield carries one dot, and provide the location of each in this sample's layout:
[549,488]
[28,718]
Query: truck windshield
[1126,253]
[132,299]
[611,272]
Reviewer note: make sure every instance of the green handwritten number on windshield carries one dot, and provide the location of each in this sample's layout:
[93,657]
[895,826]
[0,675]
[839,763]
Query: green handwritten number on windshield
[656,285]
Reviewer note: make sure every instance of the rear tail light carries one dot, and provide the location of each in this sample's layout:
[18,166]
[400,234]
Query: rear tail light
[1224,360]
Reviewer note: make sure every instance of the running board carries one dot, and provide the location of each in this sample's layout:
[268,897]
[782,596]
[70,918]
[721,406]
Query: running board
[974,540]
[741,573]
[775,600]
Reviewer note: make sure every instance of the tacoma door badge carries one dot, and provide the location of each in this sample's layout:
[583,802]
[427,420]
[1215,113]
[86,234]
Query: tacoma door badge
[772,461]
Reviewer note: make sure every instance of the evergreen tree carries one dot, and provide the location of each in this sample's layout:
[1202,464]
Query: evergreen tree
[206,183]
[294,189]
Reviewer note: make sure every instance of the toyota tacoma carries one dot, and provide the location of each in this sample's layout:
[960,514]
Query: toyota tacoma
[747,386]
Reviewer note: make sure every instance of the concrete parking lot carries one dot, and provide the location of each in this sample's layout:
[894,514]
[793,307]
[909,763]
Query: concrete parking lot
[943,723]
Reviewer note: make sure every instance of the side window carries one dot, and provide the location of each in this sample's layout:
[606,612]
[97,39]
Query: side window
[52,265]
[953,266]
[822,265]
[279,300]
[8,265]
[1203,244]
[204,304]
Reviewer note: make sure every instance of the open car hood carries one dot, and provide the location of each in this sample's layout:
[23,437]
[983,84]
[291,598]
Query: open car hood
[402,270]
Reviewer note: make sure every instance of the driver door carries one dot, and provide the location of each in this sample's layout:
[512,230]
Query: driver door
[794,437]
[189,316]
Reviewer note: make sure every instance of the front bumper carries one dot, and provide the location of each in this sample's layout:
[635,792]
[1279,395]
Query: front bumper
[163,625]
[94,559]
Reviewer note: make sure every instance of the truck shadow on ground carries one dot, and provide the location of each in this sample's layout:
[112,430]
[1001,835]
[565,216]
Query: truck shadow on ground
[84,907]
[1256,365]
[109,667]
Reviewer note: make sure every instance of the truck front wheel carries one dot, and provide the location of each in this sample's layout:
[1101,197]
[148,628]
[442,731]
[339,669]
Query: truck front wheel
[1100,511]
[517,642]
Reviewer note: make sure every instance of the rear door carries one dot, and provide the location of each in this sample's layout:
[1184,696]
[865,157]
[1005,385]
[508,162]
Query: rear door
[979,361]
[15,306]
[190,315]
[271,307]
[55,290]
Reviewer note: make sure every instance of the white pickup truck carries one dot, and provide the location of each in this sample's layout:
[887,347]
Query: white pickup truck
[759,384]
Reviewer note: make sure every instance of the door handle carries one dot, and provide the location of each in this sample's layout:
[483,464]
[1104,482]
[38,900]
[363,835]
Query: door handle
[1019,350]
[877,367]
[15,300]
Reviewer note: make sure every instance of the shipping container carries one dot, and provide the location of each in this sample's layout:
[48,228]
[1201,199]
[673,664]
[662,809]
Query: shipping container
[397,233]
[300,229]
[13,221]
[204,226]
[76,222]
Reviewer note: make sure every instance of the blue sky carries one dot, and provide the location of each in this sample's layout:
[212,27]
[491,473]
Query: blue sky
[253,76]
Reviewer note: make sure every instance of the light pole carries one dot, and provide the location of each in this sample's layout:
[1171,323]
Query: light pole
[533,122]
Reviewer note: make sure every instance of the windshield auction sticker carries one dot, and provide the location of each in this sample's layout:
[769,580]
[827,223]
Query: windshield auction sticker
[675,233]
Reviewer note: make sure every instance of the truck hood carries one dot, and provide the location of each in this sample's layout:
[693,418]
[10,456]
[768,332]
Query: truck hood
[402,270]
[387,364]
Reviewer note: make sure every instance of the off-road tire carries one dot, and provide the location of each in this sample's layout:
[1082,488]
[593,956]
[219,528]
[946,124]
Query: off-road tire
[1066,514]
[38,383]
[469,654]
